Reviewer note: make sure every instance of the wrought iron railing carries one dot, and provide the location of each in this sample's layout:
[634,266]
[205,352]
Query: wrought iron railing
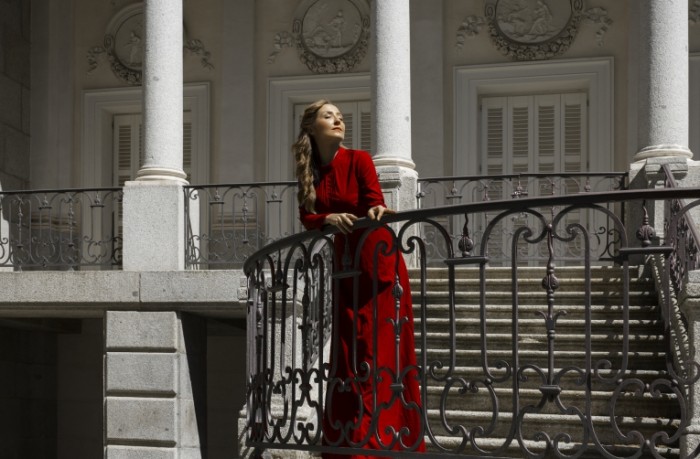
[225,224]
[532,373]
[232,221]
[685,257]
[60,229]
[446,191]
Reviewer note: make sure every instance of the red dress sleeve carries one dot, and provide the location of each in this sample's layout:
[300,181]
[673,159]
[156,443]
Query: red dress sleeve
[370,192]
[311,221]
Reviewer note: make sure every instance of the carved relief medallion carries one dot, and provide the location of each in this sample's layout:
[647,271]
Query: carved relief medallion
[332,35]
[533,29]
[123,45]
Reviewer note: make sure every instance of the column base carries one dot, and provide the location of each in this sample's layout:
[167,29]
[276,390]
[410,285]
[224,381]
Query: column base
[400,185]
[162,173]
[658,151]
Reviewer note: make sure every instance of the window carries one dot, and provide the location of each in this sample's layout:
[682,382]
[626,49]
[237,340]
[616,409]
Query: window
[128,146]
[538,133]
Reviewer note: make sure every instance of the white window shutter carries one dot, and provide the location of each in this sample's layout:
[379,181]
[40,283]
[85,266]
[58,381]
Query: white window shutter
[494,154]
[574,132]
[547,151]
[519,134]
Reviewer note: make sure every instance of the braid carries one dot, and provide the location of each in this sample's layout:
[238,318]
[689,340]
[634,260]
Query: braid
[304,152]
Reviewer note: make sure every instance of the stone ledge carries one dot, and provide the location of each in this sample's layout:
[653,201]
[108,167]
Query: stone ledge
[90,293]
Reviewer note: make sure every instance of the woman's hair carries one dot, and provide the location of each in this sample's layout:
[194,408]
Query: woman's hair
[305,153]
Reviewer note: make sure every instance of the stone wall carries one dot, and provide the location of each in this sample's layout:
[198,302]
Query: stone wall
[14,93]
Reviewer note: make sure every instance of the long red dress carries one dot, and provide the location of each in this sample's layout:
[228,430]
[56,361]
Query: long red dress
[352,415]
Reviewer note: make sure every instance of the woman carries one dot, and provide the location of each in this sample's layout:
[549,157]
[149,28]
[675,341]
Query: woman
[336,187]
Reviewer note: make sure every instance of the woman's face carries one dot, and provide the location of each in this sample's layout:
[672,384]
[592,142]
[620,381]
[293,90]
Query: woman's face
[328,125]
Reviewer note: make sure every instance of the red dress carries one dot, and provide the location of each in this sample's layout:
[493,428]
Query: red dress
[353,416]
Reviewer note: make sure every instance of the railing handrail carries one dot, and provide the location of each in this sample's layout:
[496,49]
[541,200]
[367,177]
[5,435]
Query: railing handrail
[60,190]
[525,174]
[480,207]
[250,184]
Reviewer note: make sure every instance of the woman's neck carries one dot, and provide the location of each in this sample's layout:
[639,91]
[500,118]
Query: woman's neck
[327,152]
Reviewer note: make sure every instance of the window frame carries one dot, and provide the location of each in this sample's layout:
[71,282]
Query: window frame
[594,76]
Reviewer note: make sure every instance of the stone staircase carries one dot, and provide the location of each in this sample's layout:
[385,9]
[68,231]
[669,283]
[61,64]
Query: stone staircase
[456,343]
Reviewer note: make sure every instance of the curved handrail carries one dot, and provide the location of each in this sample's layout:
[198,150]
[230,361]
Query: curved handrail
[480,207]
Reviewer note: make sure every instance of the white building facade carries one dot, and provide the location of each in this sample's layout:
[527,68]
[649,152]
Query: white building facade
[145,358]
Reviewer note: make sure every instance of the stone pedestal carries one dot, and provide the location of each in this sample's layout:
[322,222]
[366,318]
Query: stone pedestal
[155,384]
[154,226]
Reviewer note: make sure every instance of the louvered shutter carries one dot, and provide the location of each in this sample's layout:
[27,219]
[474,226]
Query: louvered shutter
[536,134]
[364,140]
[128,150]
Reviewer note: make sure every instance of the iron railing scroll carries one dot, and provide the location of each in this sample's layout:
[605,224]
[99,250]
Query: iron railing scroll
[233,221]
[686,237]
[445,191]
[61,229]
[512,361]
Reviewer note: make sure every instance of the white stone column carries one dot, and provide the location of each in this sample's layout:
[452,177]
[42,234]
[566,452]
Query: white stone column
[663,79]
[154,203]
[162,91]
[391,102]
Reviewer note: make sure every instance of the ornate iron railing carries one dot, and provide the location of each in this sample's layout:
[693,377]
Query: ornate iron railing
[232,221]
[225,224]
[446,191]
[503,370]
[60,229]
[685,257]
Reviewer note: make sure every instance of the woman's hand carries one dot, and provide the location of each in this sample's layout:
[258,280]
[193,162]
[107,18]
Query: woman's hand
[343,221]
[376,212]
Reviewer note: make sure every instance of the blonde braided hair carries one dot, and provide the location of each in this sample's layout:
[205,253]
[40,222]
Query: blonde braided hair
[305,154]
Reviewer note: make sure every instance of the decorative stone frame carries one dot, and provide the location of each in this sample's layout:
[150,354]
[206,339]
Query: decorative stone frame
[594,76]
[551,27]
[318,35]
[129,21]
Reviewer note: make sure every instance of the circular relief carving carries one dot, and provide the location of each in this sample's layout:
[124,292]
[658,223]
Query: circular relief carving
[332,35]
[123,43]
[533,29]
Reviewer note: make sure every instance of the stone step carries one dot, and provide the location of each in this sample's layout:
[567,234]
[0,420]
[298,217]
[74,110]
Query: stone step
[604,273]
[628,403]
[505,311]
[643,360]
[538,422]
[536,325]
[535,284]
[494,447]
[563,341]
[503,296]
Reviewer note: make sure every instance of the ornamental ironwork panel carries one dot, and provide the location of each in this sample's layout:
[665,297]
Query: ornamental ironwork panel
[512,361]
[60,229]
